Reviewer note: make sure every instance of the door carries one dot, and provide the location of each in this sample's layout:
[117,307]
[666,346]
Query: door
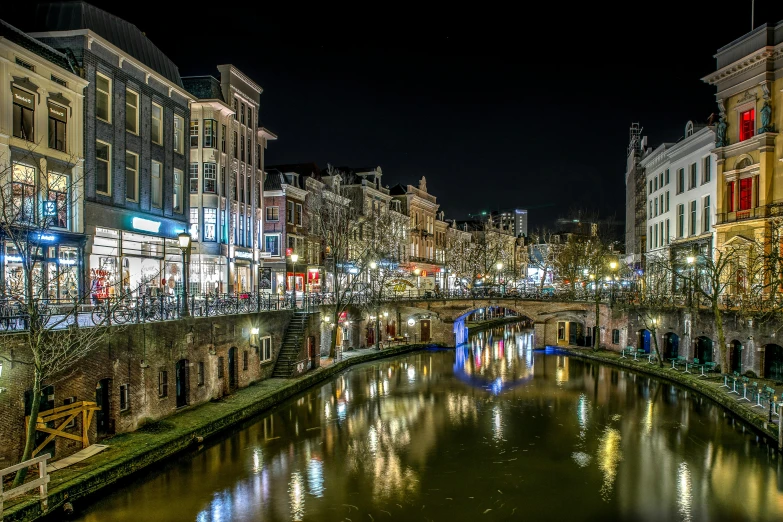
[735,356]
[182,382]
[103,401]
[232,367]
[572,333]
[644,340]
[671,346]
[425,330]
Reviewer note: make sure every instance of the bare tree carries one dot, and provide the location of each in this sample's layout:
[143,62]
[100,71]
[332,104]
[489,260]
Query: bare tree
[543,251]
[40,296]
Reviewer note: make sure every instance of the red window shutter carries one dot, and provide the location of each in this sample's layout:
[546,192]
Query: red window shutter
[746,192]
[747,124]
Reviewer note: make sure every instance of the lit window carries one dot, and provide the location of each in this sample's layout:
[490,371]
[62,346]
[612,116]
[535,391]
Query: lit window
[57,208]
[210,134]
[747,124]
[103,98]
[210,177]
[746,193]
[194,178]
[179,134]
[131,176]
[23,190]
[193,134]
[156,129]
[131,112]
[210,224]
[273,213]
[155,182]
[194,223]
[178,174]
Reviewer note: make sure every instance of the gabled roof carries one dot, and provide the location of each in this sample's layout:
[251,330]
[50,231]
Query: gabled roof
[72,16]
[305,170]
[203,87]
[273,180]
[16,36]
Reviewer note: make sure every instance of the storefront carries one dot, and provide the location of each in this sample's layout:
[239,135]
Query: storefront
[242,280]
[56,268]
[208,269]
[314,280]
[131,255]
[296,278]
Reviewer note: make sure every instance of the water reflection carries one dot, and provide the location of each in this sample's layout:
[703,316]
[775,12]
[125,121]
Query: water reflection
[435,436]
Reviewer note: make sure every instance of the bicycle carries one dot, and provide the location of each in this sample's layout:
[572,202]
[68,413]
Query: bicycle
[103,313]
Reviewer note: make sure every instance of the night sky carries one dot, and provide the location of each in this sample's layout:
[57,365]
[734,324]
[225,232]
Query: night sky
[498,107]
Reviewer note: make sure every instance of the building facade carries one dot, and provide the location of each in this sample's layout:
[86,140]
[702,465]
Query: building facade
[136,113]
[41,168]
[749,83]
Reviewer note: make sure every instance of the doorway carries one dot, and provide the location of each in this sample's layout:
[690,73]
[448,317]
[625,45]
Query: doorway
[424,325]
[182,382]
[103,401]
[644,340]
[232,368]
[703,349]
[671,345]
[773,362]
[735,356]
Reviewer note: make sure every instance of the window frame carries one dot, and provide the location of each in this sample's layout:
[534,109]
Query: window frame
[135,171]
[99,92]
[159,125]
[265,349]
[158,184]
[136,109]
[275,211]
[746,127]
[179,134]
[65,197]
[22,108]
[209,173]
[163,384]
[210,220]
[693,215]
[706,209]
[26,210]
[178,203]
[193,175]
[194,133]
[223,139]
[210,134]
[194,221]
[124,397]
[277,235]
[200,374]
[108,164]
[60,126]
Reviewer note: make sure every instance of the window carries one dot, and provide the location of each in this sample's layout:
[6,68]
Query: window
[680,181]
[272,214]
[746,194]
[730,196]
[249,232]
[662,236]
[234,105]
[747,124]
[668,233]
[179,134]
[124,397]
[705,218]
[655,235]
[102,168]
[178,175]
[245,360]
[23,190]
[57,79]
[241,221]
[194,223]
[210,134]
[131,176]
[156,196]
[692,179]
[615,336]
[242,149]
[656,206]
[265,351]
[224,179]
[272,244]
[200,373]
[56,209]
[706,173]
[131,111]
[249,187]
[651,185]
[693,218]
[651,209]
[655,183]
[193,134]
[58,123]
[223,138]
[667,177]
[660,180]
[102,97]
[194,178]
[250,117]
[250,151]
[156,129]
[242,189]
[236,145]
[290,207]
[242,113]
[680,220]
[258,155]
[210,177]
[661,200]
[220,367]
[667,201]
[24,114]
[299,214]
[66,402]
[210,224]
[163,383]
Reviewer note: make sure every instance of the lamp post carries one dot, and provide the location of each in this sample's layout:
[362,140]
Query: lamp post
[294,259]
[417,271]
[499,266]
[184,245]
[613,266]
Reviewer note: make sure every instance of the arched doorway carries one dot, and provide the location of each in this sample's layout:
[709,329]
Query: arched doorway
[643,339]
[703,349]
[735,356]
[671,345]
[773,362]
[183,384]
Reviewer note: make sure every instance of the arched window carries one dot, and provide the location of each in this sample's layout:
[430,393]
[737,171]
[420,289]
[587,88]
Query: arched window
[689,129]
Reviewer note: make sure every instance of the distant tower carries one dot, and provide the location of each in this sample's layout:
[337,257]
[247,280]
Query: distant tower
[635,198]
[520,222]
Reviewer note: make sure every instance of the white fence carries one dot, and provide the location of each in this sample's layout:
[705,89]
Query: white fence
[41,482]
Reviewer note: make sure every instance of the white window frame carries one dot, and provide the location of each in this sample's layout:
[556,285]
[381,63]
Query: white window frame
[177,196]
[108,96]
[193,226]
[269,219]
[179,134]
[159,125]
[265,354]
[279,243]
[158,184]
[135,172]
[108,169]
[136,108]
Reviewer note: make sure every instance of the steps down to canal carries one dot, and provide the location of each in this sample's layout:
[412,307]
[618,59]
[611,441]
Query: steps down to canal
[292,345]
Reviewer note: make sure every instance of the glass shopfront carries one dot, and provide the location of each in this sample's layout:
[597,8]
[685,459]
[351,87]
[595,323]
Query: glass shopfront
[54,272]
[207,274]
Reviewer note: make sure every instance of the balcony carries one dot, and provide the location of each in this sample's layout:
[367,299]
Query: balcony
[774,210]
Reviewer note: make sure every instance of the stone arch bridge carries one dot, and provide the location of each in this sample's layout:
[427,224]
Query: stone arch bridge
[444,319]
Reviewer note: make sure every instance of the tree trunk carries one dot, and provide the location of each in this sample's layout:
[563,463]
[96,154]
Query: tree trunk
[597,332]
[724,350]
[654,334]
[29,444]
[336,325]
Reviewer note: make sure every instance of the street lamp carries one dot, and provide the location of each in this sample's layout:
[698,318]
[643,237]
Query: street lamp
[499,266]
[294,259]
[417,271]
[184,245]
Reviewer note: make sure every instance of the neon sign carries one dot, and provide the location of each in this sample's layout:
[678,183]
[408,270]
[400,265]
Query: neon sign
[147,225]
[243,255]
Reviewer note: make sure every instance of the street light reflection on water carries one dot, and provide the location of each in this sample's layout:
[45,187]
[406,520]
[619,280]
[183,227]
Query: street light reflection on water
[487,432]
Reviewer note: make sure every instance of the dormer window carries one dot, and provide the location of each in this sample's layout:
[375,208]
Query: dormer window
[747,124]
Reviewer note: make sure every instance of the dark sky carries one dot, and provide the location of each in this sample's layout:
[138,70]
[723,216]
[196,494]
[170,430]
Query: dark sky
[499,106]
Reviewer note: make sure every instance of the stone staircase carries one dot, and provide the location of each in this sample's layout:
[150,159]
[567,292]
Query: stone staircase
[293,342]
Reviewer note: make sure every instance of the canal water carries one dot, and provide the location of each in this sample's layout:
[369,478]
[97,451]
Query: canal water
[491,431]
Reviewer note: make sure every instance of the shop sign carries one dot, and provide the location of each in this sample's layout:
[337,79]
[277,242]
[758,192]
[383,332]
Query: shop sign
[106,232]
[13,259]
[46,237]
[147,225]
[49,208]
[57,112]
[23,98]
[243,255]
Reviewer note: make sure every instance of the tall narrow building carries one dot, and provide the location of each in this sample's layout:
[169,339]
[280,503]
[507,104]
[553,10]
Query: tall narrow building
[635,200]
